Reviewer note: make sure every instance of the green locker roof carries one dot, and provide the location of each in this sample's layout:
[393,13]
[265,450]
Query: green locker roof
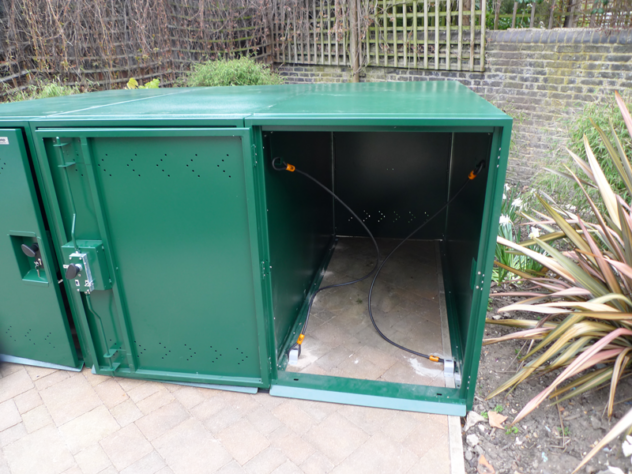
[433,100]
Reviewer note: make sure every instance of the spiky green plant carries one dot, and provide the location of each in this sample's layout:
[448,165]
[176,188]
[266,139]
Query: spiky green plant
[585,297]
[506,260]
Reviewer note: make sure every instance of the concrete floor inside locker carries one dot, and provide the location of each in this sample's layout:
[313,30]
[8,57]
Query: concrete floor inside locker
[408,306]
[57,422]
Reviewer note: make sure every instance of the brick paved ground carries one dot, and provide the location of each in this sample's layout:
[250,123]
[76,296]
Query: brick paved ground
[75,422]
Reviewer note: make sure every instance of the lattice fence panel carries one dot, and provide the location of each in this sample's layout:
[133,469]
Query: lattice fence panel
[420,34]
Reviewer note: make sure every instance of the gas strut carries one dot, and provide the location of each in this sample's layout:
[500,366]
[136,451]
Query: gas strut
[279,165]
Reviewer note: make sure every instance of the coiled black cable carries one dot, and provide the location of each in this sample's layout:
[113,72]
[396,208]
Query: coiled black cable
[378,267]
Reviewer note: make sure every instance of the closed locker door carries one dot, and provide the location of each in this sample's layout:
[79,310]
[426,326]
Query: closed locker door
[165,223]
[34,325]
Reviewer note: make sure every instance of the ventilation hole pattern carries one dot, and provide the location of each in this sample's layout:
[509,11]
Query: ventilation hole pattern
[158,352]
[166,165]
[28,337]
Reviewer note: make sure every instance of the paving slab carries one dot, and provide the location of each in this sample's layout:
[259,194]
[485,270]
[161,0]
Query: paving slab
[94,430]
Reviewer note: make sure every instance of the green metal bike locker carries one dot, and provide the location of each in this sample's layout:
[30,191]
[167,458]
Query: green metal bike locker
[169,248]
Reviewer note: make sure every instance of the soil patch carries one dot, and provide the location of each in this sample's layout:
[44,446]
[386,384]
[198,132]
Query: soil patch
[550,440]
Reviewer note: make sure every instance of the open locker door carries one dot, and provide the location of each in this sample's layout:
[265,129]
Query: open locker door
[34,326]
[157,235]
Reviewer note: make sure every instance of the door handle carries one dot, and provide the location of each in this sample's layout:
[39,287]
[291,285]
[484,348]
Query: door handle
[30,250]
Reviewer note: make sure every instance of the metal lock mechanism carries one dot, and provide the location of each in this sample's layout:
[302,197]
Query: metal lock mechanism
[86,268]
[33,251]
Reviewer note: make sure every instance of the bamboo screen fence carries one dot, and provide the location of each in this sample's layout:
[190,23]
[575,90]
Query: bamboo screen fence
[422,34]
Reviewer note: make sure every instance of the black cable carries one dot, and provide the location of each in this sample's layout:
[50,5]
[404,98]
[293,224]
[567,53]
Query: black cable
[378,266]
[377,249]
[473,175]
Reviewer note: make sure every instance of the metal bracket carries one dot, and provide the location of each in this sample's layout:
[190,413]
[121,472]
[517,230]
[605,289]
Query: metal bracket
[89,281]
[293,355]
[112,352]
[448,367]
[113,368]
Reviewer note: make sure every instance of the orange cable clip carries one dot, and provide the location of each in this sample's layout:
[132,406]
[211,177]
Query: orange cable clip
[433,358]
[290,167]
[300,339]
[471,175]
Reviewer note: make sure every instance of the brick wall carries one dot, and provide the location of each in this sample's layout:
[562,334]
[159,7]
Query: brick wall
[539,77]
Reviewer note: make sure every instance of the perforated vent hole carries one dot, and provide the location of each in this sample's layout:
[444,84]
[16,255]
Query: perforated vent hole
[141,349]
[190,354]
[10,334]
[241,355]
[47,337]
[216,355]
[164,350]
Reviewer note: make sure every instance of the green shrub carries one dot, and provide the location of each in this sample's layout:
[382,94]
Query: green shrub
[153,84]
[564,190]
[231,72]
[41,89]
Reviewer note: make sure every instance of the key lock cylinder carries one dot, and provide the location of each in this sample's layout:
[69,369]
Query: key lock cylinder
[86,266]
[33,251]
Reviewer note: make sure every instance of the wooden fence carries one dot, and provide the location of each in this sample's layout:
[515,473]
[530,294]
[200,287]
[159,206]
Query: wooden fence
[105,42]
[614,14]
[102,43]
[422,34]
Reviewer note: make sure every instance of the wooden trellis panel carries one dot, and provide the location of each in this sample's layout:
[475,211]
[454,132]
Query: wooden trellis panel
[315,32]
[416,34]
[425,34]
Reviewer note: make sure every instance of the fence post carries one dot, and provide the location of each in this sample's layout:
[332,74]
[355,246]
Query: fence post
[353,26]
[497,13]
[551,15]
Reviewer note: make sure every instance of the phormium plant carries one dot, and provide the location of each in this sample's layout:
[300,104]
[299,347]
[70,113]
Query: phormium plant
[585,297]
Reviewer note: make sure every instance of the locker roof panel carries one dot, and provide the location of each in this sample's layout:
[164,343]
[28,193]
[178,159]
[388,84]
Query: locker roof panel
[428,100]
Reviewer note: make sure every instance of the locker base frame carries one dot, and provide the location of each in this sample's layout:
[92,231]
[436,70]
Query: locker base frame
[36,363]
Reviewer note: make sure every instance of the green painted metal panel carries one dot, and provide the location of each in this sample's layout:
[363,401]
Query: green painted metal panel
[167,241]
[397,103]
[371,393]
[393,181]
[499,155]
[300,221]
[439,102]
[463,226]
[33,321]
[171,207]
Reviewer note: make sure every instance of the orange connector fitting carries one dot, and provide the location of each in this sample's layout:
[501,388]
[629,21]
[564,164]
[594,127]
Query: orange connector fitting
[300,339]
[433,358]
[290,167]
[472,175]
